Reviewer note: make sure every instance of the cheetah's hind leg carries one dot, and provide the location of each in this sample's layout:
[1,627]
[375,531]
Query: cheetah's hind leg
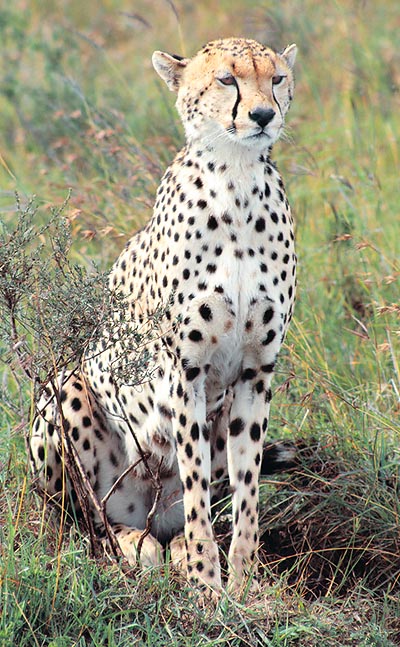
[83,426]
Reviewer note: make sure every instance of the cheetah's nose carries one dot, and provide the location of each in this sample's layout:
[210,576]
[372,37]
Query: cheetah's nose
[262,116]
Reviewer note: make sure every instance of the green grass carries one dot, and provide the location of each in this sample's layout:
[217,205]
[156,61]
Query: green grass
[81,109]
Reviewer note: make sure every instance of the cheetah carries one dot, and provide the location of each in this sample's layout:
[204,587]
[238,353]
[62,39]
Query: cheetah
[218,255]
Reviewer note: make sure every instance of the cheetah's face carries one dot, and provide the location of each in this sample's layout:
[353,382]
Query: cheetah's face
[233,90]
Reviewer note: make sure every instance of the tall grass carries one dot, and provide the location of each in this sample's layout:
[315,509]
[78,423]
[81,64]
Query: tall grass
[81,109]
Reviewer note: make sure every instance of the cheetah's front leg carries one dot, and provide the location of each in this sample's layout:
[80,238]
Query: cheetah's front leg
[245,444]
[247,427]
[193,452]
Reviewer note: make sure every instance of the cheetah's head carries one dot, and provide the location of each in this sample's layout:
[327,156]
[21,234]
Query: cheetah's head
[234,90]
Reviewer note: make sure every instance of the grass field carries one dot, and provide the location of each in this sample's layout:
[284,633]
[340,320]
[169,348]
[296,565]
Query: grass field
[82,111]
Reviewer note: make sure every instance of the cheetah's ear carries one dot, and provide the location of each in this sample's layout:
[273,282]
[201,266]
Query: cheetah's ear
[289,55]
[170,68]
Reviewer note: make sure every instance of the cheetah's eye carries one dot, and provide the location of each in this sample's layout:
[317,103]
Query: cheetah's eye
[227,80]
[276,80]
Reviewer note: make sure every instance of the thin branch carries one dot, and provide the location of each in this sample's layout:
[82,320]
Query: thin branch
[119,479]
[158,491]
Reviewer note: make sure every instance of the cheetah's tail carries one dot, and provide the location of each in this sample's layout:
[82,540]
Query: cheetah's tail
[279,456]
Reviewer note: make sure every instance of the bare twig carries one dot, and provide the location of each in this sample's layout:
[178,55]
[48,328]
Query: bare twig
[119,480]
[158,490]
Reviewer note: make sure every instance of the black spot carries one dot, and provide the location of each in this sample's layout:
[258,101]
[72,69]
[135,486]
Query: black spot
[269,338]
[164,411]
[41,453]
[114,459]
[201,204]
[76,404]
[255,431]
[268,314]
[248,374]
[188,450]
[206,432]
[142,408]
[194,431]
[206,312]
[86,421]
[236,426]
[268,368]
[192,373]
[199,182]
[260,225]
[182,420]
[212,223]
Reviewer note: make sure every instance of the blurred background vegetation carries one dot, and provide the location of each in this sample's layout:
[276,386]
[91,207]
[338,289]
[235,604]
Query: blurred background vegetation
[82,111]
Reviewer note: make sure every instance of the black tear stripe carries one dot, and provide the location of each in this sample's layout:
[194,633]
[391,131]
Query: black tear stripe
[276,101]
[235,107]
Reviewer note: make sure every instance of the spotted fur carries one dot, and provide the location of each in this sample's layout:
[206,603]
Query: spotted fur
[218,255]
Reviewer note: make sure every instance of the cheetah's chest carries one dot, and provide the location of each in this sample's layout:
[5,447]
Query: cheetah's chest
[237,255]
[220,248]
